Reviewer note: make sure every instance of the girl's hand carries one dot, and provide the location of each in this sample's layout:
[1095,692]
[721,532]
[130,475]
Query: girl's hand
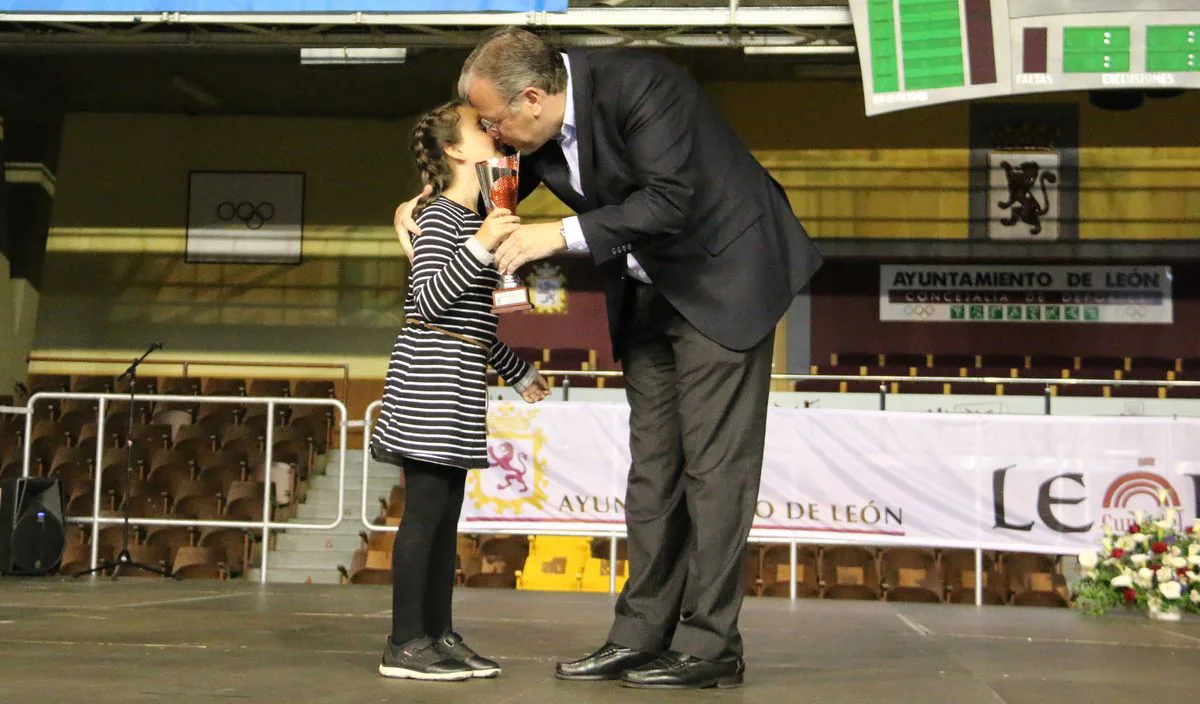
[500,223]
[537,390]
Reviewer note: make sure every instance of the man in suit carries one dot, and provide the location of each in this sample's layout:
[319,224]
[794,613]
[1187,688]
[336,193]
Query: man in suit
[701,256]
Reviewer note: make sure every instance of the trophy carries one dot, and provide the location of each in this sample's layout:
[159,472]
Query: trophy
[498,181]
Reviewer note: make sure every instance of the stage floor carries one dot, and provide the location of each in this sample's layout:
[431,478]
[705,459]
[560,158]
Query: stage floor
[150,641]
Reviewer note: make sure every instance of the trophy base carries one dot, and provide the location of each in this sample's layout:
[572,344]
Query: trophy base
[511,300]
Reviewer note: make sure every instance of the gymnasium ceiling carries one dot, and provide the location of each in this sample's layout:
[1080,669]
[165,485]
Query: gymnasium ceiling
[254,69]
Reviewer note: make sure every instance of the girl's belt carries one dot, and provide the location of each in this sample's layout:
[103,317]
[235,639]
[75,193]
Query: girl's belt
[413,322]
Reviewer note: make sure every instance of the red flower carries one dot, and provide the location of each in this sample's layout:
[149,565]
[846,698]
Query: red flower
[1181,571]
[1135,528]
[1130,595]
[1155,566]
[1118,553]
[1188,529]
[1159,547]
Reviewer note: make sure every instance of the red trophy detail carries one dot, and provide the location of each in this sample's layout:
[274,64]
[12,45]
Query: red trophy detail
[498,180]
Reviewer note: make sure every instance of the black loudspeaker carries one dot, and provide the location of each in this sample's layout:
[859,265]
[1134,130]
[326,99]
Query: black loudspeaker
[32,529]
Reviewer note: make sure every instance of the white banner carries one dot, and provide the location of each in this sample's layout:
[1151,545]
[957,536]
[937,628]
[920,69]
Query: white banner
[1031,483]
[1025,294]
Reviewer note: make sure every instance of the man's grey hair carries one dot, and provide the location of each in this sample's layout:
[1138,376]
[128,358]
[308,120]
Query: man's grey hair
[512,60]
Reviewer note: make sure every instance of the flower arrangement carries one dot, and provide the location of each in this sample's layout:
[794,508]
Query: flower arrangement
[1154,566]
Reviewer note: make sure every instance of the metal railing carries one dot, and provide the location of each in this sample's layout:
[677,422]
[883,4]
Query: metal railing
[266,524]
[187,366]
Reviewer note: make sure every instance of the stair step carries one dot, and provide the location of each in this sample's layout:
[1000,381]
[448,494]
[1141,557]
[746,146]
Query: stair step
[328,486]
[296,576]
[309,559]
[323,513]
[309,540]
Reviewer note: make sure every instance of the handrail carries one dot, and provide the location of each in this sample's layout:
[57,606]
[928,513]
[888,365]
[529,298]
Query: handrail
[186,364]
[1028,380]
[265,524]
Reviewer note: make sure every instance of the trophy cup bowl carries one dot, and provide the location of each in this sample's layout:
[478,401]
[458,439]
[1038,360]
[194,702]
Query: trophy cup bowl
[498,182]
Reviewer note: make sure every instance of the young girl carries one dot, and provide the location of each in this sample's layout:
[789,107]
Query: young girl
[433,420]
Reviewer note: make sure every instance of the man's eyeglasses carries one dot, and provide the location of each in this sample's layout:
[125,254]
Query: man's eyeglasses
[510,109]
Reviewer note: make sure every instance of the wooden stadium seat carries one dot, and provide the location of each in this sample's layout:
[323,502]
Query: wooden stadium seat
[200,563]
[198,499]
[151,556]
[77,558]
[911,574]
[196,440]
[72,463]
[369,567]
[958,578]
[776,572]
[849,573]
[244,501]
[953,361]
[907,359]
[856,359]
[235,545]
[171,538]
[1033,580]
[171,467]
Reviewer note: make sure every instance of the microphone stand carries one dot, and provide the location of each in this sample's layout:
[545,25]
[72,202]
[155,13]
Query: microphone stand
[124,559]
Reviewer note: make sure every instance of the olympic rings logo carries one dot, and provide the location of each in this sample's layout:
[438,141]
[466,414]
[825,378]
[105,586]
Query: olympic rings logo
[251,215]
[920,310]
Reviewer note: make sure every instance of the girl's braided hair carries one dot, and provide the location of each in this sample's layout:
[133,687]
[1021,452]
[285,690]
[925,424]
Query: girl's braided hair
[436,130]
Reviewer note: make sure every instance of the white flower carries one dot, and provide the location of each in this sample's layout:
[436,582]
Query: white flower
[1165,574]
[1194,560]
[1139,559]
[1139,516]
[1171,590]
[1196,596]
[1196,526]
[1177,562]
[1144,578]
[1194,577]
[1165,523]
[1125,542]
[1194,549]
[1154,603]
[1108,531]
[1139,538]
[1088,559]
[1107,544]
[1122,580]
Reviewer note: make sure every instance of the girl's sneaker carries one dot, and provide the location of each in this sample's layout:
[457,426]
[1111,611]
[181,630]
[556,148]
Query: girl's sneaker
[452,645]
[421,659]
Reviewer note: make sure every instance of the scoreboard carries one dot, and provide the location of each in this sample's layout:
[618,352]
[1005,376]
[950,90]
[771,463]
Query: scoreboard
[924,52]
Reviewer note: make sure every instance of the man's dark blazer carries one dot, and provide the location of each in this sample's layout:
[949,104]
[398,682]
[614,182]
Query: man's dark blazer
[665,177]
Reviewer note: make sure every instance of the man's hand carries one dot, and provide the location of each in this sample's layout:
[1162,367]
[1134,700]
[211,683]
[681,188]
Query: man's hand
[529,243]
[406,228]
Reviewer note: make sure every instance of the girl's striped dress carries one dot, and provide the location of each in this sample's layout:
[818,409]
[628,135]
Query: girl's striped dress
[435,397]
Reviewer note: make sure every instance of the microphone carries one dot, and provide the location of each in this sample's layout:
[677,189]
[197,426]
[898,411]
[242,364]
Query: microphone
[156,345]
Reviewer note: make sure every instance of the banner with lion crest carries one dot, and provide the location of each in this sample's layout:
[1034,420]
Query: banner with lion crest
[1002,482]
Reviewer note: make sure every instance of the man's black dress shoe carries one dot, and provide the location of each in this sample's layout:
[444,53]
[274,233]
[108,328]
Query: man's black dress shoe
[607,663]
[674,670]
